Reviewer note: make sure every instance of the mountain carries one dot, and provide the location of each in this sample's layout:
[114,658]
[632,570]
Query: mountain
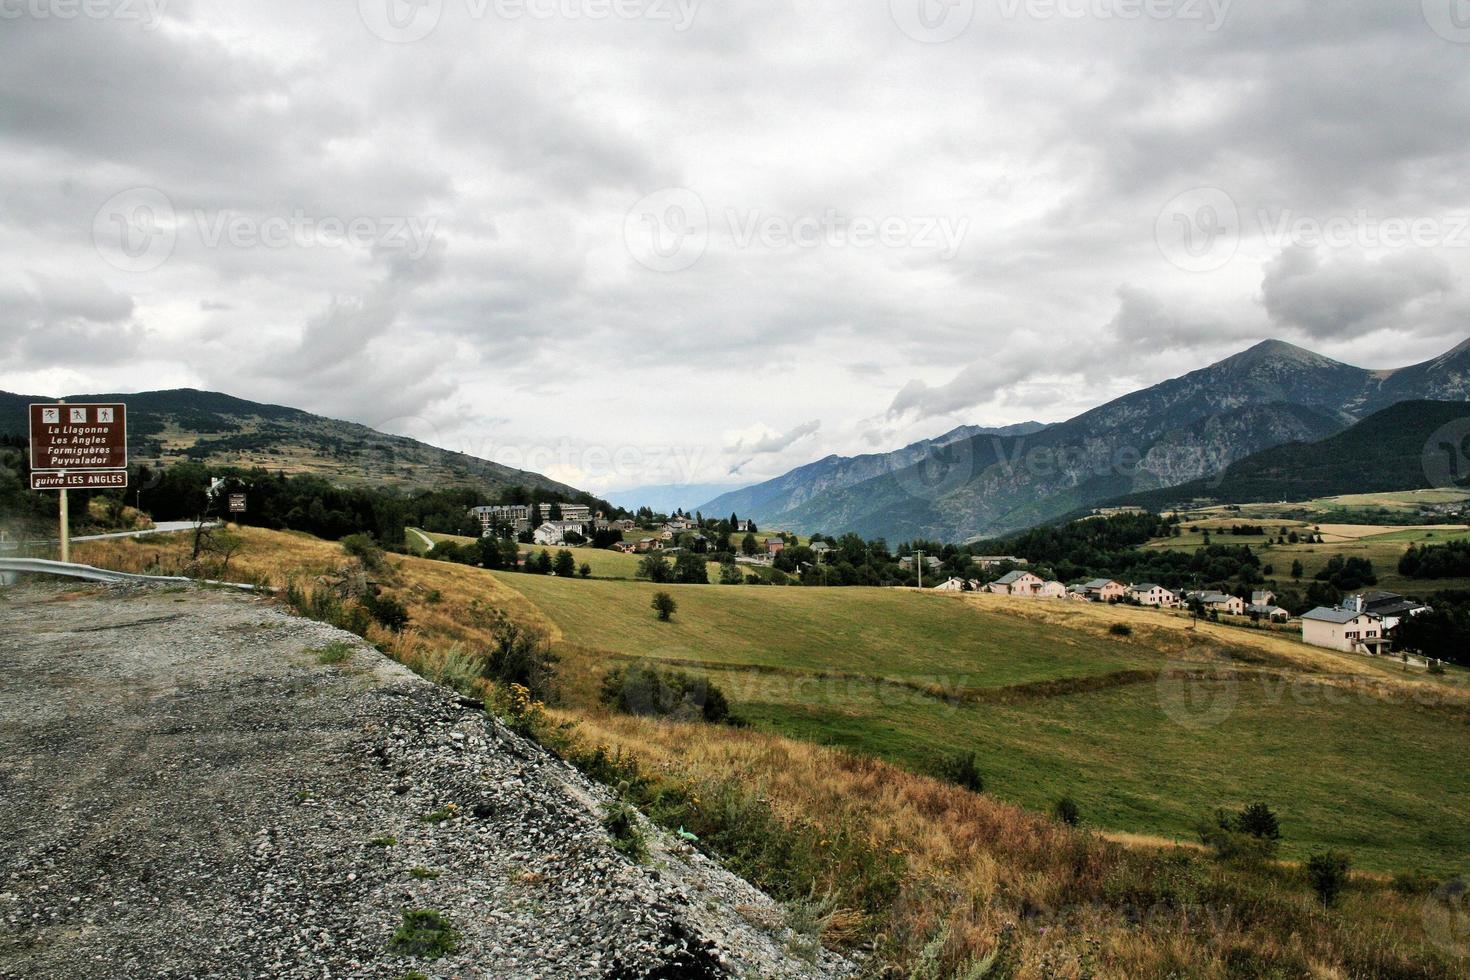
[1400,448]
[666,498]
[209,427]
[771,500]
[1172,433]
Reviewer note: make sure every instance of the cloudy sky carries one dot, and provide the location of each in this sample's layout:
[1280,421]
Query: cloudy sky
[650,241]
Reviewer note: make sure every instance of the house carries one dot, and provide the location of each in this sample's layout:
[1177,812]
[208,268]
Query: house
[624,525]
[1220,602]
[577,513]
[822,550]
[1267,611]
[1077,592]
[650,544]
[1263,598]
[744,527]
[1016,583]
[1390,606]
[1149,594]
[1345,630]
[1051,590]
[931,563]
[555,532]
[955,585]
[774,546]
[626,547]
[1104,590]
[987,562]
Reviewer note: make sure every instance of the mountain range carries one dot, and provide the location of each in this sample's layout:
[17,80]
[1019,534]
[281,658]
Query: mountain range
[967,485]
[208,427]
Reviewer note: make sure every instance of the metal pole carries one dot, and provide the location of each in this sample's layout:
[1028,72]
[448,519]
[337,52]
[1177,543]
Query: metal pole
[919,564]
[65,521]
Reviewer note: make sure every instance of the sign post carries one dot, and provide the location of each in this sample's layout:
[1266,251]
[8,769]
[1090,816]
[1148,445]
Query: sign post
[78,447]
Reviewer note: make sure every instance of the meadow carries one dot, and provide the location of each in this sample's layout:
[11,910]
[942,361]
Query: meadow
[1063,707]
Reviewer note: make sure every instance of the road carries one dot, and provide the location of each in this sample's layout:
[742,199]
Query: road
[428,541]
[162,527]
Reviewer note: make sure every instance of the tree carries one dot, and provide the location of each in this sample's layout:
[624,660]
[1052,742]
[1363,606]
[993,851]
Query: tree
[585,570]
[730,574]
[655,569]
[748,545]
[1296,569]
[1328,873]
[691,569]
[664,605]
[1258,821]
[565,565]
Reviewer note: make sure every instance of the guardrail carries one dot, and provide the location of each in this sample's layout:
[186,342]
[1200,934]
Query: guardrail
[42,566]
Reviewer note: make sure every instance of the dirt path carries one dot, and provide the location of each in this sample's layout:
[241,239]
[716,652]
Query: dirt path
[191,792]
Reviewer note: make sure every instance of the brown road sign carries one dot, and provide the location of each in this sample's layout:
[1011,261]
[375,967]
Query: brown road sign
[81,480]
[82,437]
[237,503]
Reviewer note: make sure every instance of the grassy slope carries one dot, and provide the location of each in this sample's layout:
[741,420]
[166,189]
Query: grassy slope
[1347,767]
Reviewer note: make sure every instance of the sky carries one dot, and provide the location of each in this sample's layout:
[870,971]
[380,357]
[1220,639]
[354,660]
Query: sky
[631,242]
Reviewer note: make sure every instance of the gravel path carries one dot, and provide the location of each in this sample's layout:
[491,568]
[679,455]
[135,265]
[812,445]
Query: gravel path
[188,792]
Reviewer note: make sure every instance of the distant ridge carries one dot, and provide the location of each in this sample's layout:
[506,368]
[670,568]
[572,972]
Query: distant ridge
[185,424]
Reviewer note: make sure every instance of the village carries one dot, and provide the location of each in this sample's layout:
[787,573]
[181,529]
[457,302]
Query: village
[1362,623]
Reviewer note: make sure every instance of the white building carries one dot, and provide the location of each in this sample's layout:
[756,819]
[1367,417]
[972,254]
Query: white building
[1344,629]
[1148,594]
[1052,590]
[1016,583]
[555,532]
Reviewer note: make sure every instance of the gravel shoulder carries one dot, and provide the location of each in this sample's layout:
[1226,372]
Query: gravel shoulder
[189,792]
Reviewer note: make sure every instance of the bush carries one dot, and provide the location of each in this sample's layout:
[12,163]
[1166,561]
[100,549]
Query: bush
[1328,873]
[640,689]
[518,655]
[1258,821]
[1246,836]
[655,569]
[366,550]
[1067,812]
[1121,629]
[664,605]
[387,611]
[424,933]
[963,770]
[621,823]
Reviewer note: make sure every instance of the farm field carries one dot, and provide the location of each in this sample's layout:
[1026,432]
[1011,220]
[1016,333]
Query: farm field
[1383,545]
[1053,704]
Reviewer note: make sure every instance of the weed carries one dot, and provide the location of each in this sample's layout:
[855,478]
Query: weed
[621,823]
[440,815]
[336,652]
[387,840]
[424,933]
[424,874]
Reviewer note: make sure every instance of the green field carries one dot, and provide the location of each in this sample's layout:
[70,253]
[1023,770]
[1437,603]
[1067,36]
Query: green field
[1054,708]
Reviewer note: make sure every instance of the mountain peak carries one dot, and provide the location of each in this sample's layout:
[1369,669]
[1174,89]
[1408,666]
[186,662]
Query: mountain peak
[1277,351]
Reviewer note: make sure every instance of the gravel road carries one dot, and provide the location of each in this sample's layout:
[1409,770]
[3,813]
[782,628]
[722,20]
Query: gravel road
[188,792]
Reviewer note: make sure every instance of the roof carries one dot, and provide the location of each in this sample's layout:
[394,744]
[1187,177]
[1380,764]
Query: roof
[1143,587]
[1099,583]
[1265,609]
[1339,616]
[1011,578]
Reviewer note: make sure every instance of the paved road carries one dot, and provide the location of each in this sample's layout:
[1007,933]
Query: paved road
[162,527]
[428,541]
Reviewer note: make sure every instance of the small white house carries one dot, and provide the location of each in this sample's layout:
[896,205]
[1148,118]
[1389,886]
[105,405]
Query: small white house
[1343,629]
[555,532]
[1052,590]
[1017,583]
[1149,594]
[955,585]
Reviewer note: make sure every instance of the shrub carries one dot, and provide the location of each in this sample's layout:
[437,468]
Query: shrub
[1067,812]
[1244,836]
[962,769]
[1258,821]
[664,605]
[584,570]
[1121,629]
[520,656]
[366,550]
[1328,873]
[387,611]
[655,569]
[335,652]
[424,933]
[640,689]
[621,823]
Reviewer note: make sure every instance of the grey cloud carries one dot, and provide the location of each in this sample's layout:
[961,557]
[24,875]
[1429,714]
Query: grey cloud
[775,443]
[1345,296]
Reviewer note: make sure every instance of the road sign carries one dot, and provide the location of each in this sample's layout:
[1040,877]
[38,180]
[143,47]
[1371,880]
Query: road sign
[72,438]
[85,480]
[237,503]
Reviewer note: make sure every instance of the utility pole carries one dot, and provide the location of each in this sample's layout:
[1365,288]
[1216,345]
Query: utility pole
[919,564]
